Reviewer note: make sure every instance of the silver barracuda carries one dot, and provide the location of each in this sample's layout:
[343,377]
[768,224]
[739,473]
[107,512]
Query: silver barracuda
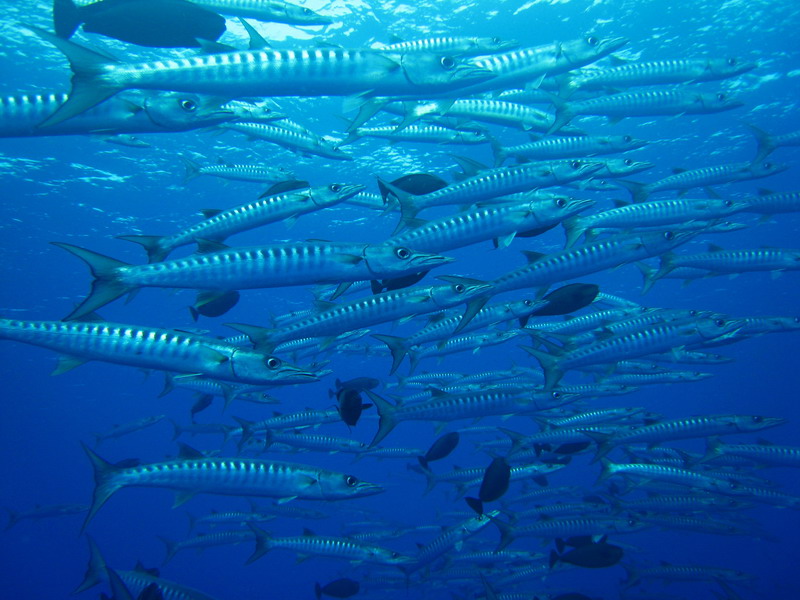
[432,134]
[638,379]
[717,260]
[224,170]
[657,72]
[566,147]
[457,45]
[493,183]
[653,214]
[310,544]
[124,429]
[764,453]
[317,442]
[670,572]
[151,348]
[206,540]
[251,267]
[472,342]
[768,143]
[152,112]
[220,224]
[309,72]
[768,203]
[302,142]
[275,11]
[570,527]
[364,312]
[657,338]
[684,180]
[226,476]
[644,104]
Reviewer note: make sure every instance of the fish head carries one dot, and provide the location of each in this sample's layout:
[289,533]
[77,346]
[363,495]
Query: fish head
[589,48]
[764,169]
[756,422]
[718,327]
[558,207]
[328,195]
[658,242]
[569,170]
[626,166]
[728,67]
[622,143]
[175,111]
[718,101]
[426,70]
[297,15]
[338,486]
[722,226]
[457,291]
[389,260]
[523,308]
[254,111]
[250,366]
[473,134]
[489,45]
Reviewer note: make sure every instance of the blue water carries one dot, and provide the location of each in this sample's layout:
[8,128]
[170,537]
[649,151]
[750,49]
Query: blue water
[84,191]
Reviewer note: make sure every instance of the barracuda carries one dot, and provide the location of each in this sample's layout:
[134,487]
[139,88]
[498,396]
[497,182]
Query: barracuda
[596,416]
[305,143]
[501,223]
[653,214]
[364,312]
[681,429]
[684,180]
[597,319]
[643,104]
[769,203]
[670,572]
[654,472]
[432,134]
[638,322]
[221,224]
[151,348]
[764,453]
[153,112]
[310,72]
[658,73]
[322,443]
[206,540]
[233,172]
[473,342]
[462,46]
[545,270]
[657,378]
[493,183]
[768,143]
[298,420]
[226,476]
[567,147]
[570,527]
[310,544]
[274,11]
[657,338]
[252,267]
[718,261]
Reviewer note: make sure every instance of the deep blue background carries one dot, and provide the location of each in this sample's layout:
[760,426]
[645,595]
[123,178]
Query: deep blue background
[84,191]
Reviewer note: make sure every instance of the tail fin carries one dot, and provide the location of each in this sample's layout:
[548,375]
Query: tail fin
[637,190]
[408,208]
[603,441]
[563,114]
[262,543]
[549,363]
[171,548]
[88,85]
[259,336]
[66,18]
[104,482]
[667,265]
[153,245]
[713,450]
[607,470]
[397,346]
[105,287]
[388,419]
[13,518]
[573,229]
[95,570]
[192,170]
[499,152]
[765,143]
[430,478]
[648,279]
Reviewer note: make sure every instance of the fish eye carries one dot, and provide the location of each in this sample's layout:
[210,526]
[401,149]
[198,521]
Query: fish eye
[631,522]
[669,236]
[351,481]
[459,288]
[757,419]
[692,313]
[628,162]
[546,173]
[188,105]
[447,63]
[530,303]
[335,187]
[627,138]
[273,363]
[728,202]
[592,41]
[767,165]
[496,40]
[560,202]
[575,164]
[556,395]
[402,253]
[719,322]
[307,11]
[721,96]
[732,61]
[797,319]
[395,555]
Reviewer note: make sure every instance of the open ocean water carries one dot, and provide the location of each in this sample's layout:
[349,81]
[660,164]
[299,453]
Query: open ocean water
[85,191]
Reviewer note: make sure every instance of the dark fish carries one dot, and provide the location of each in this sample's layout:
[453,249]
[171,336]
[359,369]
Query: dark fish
[586,553]
[414,183]
[398,283]
[495,483]
[203,402]
[153,23]
[339,588]
[350,406]
[568,299]
[358,384]
[441,448]
[213,304]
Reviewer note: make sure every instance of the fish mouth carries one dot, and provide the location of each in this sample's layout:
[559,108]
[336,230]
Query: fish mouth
[772,421]
[472,71]
[349,190]
[369,489]
[297,375]
[431,260]
[477,289]
[581,204]
[611,44]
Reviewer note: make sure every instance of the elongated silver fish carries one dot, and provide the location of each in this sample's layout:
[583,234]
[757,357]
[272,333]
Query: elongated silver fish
[718,260]
[225,170]
[457,45]
[303,142]
[767,143]
[565,147]
[276,11]
[226,476]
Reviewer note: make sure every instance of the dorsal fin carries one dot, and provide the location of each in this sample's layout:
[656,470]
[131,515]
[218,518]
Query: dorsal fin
[206,246]
[532,257]
[210,212]
[187,452]
[285,186]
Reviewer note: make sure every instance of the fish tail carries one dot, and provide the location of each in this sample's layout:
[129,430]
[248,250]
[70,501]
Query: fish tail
[607,470]
[648,279]
[764,141]
[192,169]
[637,190]
[573,229]
[603,442]
[151,243]
[318,590]
[506,533]
[563,114]
[247,431]
[171,548]
[66,18]
[89,86]
[169,385]
[106,286]
[104,482]
[262,543]
[499,152]
[554,557]
[386,413]
[667,265]
[430,478]
[713,450]
[549,363]
[176,429]
[13,518]
[259,336]
[408,207]
[95,570]
[397,346]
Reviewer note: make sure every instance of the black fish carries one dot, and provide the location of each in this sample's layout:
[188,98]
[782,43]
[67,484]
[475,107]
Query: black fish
[415,183]
[153,23]
[213,304]
[350,406]
[339,588]
[398,283]
[203,402]
[441,448]
[495,483]
[587,554]
[568,299]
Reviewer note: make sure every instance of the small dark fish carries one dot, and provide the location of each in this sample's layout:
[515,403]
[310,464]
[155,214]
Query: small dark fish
[441,448]
[152,23]
[213,304]
[339,588]
[495,483]
[203,402]
[568,299]
[398,283]
[588,554]
[415,183]
[350,406]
